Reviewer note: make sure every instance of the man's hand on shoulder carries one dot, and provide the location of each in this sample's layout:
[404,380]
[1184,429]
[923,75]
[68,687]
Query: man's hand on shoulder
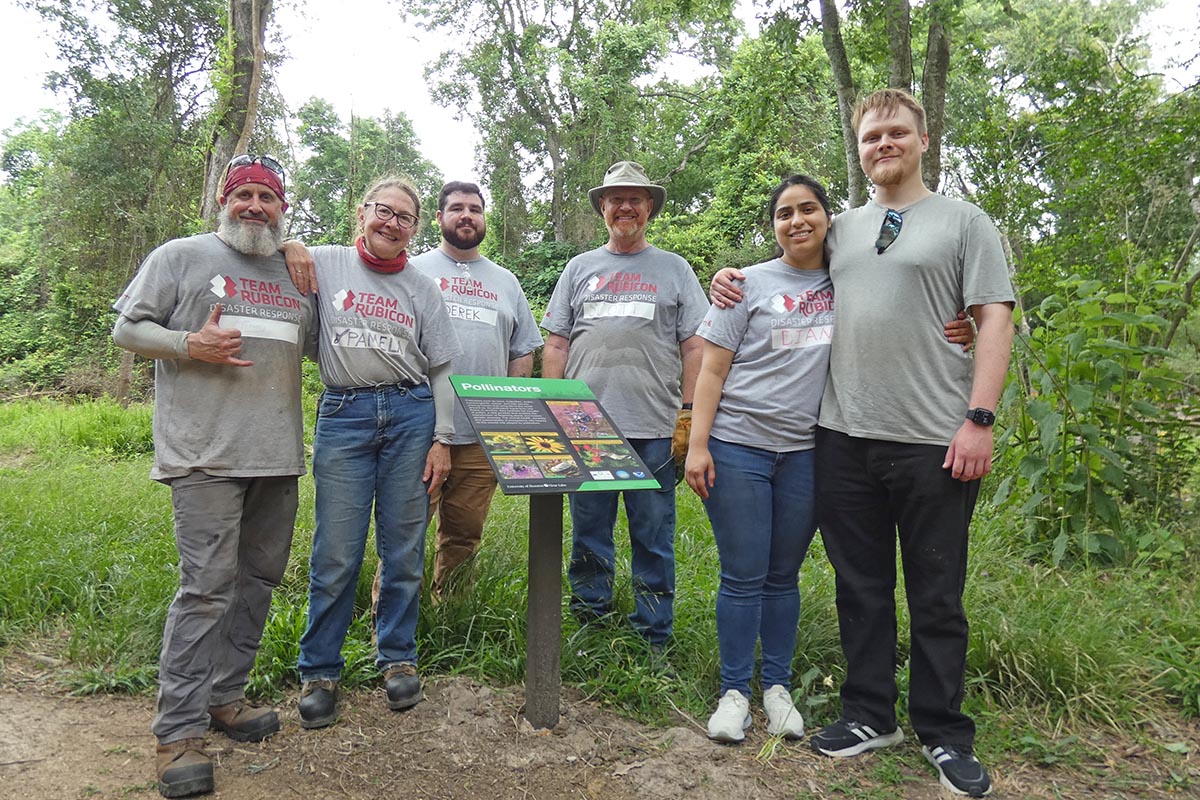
[216,345]
[970,453]
[723,292]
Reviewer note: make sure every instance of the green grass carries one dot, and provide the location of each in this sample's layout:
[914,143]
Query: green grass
[89,567]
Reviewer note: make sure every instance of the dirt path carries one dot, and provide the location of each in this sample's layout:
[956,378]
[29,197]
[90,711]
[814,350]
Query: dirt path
[469,741]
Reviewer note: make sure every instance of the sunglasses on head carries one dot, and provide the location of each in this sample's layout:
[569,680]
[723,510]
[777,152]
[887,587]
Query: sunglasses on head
[246,160]
[889,230]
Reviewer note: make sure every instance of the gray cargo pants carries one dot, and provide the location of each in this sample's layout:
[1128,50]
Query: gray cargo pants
[233,537]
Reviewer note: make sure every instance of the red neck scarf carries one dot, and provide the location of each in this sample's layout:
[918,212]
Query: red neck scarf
[385,265]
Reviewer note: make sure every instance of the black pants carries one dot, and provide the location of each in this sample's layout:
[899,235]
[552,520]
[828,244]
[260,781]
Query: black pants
[867,490]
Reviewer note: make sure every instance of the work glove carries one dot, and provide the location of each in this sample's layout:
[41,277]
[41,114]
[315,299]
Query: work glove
[679,441]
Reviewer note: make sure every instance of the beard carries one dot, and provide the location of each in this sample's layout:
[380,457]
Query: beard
[887,175]
[468,240]
[248,238]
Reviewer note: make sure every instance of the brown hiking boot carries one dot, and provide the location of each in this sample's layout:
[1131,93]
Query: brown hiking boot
[243,722]
[403,686]
[184,768]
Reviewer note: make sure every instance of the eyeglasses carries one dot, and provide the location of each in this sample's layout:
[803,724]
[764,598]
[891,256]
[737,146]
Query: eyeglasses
[889,230]
[404,220]
[246,160]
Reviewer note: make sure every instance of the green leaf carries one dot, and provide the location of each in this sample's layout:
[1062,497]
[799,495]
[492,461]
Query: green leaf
[1060,549]
[1032,467]
[1049,431]
[1080,397]
[1002,491]
[1106,508]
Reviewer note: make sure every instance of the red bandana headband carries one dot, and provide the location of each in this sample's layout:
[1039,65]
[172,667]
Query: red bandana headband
[253,173]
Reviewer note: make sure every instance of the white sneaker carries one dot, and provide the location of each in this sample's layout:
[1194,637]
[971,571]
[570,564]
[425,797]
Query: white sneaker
[729,722]
[782,717]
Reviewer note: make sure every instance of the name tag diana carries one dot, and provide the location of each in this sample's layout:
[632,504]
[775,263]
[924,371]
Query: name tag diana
[785,338]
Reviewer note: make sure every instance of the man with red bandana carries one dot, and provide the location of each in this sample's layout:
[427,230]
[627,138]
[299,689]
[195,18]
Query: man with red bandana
[227,330]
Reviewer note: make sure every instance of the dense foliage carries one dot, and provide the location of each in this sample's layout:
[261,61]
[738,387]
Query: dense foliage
[1053,125]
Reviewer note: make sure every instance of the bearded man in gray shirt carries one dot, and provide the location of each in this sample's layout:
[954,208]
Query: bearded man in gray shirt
[228,331]
[623,318]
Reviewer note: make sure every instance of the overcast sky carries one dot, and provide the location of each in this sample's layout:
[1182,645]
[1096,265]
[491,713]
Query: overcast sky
[335,45]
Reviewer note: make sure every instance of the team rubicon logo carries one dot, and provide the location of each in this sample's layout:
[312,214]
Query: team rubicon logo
[444,284]
[812,302]
[783,304]
[223,286]
[621,283]
[343,300]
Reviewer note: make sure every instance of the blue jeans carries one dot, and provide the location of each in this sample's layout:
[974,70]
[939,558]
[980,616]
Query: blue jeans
[762,509]
[370,447]
[651,514]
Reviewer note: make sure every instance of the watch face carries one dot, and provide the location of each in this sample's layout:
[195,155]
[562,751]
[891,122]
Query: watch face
[981,416]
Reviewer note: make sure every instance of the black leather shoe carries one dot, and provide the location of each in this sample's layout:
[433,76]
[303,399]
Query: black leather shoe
[318,703]
[403,686]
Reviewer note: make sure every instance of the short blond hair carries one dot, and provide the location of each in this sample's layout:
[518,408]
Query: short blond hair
[887,102]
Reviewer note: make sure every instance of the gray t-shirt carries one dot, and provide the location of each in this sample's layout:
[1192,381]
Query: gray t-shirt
[780,335]
[378,328]
[489,313]
[624,316]
[231,421]
[893,375]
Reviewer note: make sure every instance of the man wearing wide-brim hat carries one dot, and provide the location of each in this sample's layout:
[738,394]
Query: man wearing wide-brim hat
[623,319]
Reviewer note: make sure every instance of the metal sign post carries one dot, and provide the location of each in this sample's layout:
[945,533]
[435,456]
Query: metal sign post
[543,621]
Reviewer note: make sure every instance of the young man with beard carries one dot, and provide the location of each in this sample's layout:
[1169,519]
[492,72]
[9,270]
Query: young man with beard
[228,331]
[623,318]
[491,316]
[894,454]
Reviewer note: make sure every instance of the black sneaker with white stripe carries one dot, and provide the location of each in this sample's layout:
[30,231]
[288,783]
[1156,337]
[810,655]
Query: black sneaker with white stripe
[959,769]
[846,738]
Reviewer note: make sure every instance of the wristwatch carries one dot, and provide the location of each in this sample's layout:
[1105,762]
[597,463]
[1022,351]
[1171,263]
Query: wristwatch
[981,416]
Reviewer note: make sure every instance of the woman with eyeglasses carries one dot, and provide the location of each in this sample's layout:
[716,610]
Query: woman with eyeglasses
[383,428]
[750,456]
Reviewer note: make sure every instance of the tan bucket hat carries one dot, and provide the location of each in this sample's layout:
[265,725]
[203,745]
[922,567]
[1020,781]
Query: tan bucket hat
[629,173]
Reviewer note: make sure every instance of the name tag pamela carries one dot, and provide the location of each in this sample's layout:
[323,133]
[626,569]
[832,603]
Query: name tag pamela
[256,328]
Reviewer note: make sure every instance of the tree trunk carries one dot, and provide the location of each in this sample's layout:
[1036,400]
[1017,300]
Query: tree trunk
[897,14]
[933,93]
[238,110]
[843,81]
[125,378]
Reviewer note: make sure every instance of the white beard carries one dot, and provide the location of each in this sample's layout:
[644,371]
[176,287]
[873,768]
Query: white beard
[248,238]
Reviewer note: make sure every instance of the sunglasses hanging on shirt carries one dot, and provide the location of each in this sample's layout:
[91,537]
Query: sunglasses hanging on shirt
[889,230]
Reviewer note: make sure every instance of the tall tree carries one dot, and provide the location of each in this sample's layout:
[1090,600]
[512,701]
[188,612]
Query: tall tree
[344,158]
[847,96]
[238,82]
[119,177]
[896,17]
[559,83]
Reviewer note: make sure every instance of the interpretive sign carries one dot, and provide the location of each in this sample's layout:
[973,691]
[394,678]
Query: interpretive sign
[546,436]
